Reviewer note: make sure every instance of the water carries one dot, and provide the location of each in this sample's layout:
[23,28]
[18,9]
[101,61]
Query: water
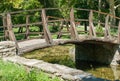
[60,55]
[104,71]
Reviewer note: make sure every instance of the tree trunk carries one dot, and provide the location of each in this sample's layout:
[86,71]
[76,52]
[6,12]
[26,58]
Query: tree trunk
[99,9]
[112,11]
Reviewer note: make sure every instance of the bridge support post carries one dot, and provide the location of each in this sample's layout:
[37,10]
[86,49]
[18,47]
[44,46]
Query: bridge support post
[87,54]
[47,34]
[73,30]
[10,32]
[107,28]
[27,27]
[91,26]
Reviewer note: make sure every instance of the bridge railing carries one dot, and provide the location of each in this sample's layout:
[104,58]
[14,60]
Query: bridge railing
[30,25]
[106,27]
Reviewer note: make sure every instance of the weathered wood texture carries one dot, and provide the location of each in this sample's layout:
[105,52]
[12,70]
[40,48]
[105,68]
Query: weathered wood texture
[73,30]
[10,31]
[60,30]
[27,27]
[91,26]
[30,45]
[47,34]
[107,28]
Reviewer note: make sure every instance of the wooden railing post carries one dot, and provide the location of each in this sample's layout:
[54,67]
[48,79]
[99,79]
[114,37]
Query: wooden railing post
[73,30]
[107,28]
[27,27]
[5,27]
[119,33]
[10,32]
[91,26]
[60,30]
[47,34]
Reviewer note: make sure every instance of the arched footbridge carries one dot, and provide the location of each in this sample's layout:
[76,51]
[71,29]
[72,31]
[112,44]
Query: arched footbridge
[93,35]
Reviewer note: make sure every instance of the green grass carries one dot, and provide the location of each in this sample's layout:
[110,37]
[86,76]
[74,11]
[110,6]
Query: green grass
[15,72]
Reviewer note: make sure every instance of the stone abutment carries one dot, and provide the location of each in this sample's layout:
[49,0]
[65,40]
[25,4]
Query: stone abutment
[7,48]
[106,53]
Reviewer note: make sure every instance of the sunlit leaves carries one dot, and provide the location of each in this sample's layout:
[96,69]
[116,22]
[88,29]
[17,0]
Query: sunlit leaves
[30,4]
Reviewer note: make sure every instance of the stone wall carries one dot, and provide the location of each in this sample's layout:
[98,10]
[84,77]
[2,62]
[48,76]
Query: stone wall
[7,48]
[97,53]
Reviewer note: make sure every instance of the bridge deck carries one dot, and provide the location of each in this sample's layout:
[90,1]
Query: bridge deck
[30,45]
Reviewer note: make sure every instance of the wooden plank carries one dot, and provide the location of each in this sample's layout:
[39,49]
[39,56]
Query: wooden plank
[11,33]
[47,34]
[119,33]
[91,26]
[73,30]
[107,28]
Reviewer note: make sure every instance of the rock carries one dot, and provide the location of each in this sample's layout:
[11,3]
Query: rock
[7,48]
[72,54]
[62,71]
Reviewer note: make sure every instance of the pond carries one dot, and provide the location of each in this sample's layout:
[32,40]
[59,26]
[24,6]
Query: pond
[63,55]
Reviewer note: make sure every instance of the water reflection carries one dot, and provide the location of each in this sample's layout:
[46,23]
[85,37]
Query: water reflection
[107,72]
[116,72]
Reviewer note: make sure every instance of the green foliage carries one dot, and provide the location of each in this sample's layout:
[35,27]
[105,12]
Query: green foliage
[14,72]
[114,31]
[54,28]
[30,4]
[100,30]
[65,6]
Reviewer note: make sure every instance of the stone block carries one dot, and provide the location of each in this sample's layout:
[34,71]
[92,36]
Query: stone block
[7,48]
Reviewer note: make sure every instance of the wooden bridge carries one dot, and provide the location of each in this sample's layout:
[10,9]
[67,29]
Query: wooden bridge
[33,31]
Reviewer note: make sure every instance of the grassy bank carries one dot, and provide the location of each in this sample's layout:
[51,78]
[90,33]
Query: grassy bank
[15,72]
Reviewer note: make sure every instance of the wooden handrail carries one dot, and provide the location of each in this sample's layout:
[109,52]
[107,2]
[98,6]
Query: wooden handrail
[106,14]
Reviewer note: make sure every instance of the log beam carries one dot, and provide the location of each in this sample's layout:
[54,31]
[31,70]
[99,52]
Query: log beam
[47,34]
[91,26]
[11,33]
[107,28]
[73,30]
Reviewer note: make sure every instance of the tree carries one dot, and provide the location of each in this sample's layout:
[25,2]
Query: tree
[114,9]
[30,4]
